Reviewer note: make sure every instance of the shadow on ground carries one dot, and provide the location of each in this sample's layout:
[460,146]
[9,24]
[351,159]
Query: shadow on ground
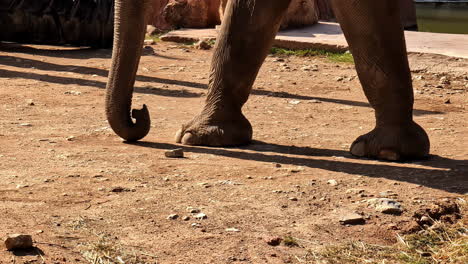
[29,63]
[444,174]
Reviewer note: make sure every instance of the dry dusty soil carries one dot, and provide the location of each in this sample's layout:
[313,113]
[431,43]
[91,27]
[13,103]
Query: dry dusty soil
[69,181]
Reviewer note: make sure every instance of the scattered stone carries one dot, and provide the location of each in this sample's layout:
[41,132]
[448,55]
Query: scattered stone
[332,182]
[447,102]
[444,81]
[203,44]
[73,93]
[234,230]
[30,102]
[25,125]
[196,225]
[387,194]
[339,79]
[186,218]
[352,219]
[386,206]
[355,191]
[277,165]
[119,189]
[174,153]
[151,30]
[278,60]
[193,210]
[273,241]
[173,217]
[294,199]
[18,241]
[294,102]
[200,216]
[70,138]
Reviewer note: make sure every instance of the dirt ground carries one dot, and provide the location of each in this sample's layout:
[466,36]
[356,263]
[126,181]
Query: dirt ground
[69,181]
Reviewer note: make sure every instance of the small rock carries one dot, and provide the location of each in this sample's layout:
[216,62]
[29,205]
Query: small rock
[73,93]
[294,199]
[30,102]
[25,125]
[447,102]
[339,79]
[173,217]
[174,153]
[193,210]
[332,182]
[203,44]
[151,30]
[119,189]
[70,138]
[186,218]
[18,241]
[294,102]
[444,81]
[273,241]
[149,42]
[234,230]
[352,219]
[278,60]
[386,206]
[200,216]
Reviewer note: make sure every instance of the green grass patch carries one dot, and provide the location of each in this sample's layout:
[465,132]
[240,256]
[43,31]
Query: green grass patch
[290,241]
[344,57]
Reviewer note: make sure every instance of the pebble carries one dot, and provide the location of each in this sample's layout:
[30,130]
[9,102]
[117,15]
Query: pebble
[294,102]
[386,206]
[273,241]
[30,102]
[193,210]
[149,42]
[25,125]
[174,153]
[186,218]
[332,182]
[294,199]
[202,44]
[352,219]
[173,217]
[18,241]
[200,216]
[234,230]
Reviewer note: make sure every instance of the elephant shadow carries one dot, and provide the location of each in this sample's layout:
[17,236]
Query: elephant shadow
[435,172]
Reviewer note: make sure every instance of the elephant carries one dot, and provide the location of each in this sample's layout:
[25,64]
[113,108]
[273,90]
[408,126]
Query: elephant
[375,36]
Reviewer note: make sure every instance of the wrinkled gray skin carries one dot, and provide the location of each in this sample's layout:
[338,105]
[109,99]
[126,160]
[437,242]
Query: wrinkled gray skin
[376,40]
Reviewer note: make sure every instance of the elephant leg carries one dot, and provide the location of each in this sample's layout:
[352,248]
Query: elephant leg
[247,33]
[375,35]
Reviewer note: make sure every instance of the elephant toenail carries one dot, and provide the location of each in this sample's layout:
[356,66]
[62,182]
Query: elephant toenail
[358,149]
[189,139]
[178,136]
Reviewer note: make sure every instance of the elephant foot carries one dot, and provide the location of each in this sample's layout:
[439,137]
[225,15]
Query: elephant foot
[393,143]
[206,130]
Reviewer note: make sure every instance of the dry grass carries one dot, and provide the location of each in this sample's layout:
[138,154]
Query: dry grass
[106,250]
[440,243]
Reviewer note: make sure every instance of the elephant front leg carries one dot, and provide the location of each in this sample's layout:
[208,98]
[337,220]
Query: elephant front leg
[247,33]
[376,40]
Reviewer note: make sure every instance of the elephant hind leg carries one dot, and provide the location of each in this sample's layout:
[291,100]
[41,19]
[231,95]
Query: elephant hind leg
[247,33]
[375,35]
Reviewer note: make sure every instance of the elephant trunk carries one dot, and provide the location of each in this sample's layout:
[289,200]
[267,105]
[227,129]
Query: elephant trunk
[130,25]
